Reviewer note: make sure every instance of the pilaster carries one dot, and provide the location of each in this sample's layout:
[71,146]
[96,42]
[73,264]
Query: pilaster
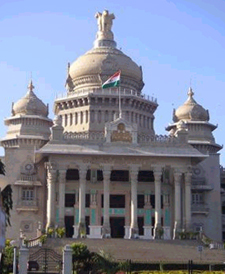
[62,182]
[82,193]
[177,190]
[188,176]
[106,231]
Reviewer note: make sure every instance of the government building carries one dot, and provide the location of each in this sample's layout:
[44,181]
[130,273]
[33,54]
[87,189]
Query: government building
[99,169]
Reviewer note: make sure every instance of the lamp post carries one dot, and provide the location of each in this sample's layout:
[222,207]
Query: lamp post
[14,243]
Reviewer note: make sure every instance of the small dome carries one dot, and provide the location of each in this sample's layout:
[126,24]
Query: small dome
[30,104]
[191,110]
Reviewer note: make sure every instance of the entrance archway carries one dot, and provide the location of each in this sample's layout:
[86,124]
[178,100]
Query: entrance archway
[117,227]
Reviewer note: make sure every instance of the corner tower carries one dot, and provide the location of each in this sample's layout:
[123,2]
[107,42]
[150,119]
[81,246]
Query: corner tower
[28,130]
[205,187]
[87,107]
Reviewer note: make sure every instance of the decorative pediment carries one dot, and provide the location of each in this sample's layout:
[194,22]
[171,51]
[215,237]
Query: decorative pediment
[120,131]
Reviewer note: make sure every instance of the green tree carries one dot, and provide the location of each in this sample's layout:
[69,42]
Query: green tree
[6,196]
[82,257]
[105,263]
[7,258]
[7,203]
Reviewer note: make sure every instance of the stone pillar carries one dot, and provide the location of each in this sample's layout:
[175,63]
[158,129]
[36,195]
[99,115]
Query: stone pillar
[106,231]
[188,201]
[167,223]
[82,194]
[95,229]
[134,224]
[148,216]
[23,259]
[177,189]
[62,182]
[67,260]
[157,227]
[51,180]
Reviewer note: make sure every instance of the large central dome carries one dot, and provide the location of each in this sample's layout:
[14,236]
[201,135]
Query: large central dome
[95,66]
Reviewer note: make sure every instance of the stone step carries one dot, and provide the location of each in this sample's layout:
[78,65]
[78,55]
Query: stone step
[146,250]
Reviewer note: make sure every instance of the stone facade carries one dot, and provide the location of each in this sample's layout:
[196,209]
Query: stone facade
[102,173]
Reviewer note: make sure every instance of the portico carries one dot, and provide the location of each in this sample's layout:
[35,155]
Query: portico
[144,203]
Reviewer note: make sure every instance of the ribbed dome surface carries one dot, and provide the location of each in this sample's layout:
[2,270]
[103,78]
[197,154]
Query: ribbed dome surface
[30,104]
[191,110]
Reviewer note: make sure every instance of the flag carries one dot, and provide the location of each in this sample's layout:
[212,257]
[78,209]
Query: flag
[113,81]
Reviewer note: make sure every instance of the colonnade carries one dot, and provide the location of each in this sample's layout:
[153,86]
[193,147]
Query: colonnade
[180,177]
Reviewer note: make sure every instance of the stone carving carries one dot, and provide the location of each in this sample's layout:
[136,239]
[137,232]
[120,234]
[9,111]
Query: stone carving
[121,135]
[104,20]
[104,26]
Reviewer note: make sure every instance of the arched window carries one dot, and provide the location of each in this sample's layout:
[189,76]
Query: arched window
[92,116]
[66,121]
[99,116]
[113,115]
[86,116]
[76,118]
[106,116]
[71,119]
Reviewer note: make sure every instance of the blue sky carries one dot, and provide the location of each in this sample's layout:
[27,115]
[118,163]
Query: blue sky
[174,41]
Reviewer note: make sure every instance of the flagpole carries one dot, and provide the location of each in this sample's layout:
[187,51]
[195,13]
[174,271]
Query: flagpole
[120,112]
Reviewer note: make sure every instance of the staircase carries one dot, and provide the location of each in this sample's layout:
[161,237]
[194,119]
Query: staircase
[146,250]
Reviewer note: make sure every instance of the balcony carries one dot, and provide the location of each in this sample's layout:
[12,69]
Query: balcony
[27,205]
[200,184]
[200,209]
[28,180]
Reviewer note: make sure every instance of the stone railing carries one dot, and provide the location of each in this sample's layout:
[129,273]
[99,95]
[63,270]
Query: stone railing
[95,136]
[145,138]
[28,203]
[200,208]
[25,177]
[109,91]
[201,184]
[32,242]
[210,243]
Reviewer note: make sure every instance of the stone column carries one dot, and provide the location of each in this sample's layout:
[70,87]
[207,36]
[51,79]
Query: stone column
[23,259]
[67,260]
[106,231]
[188,201]
[167,223]
[157,227]
[82,193]
[51,180]
[148,216]
[177,190]
[62,182]
[134,224]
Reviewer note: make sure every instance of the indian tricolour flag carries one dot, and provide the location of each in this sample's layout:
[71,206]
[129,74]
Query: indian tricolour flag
[113,81]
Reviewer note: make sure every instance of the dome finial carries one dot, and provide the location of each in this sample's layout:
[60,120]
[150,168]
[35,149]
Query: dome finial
[30,86]
[190,93]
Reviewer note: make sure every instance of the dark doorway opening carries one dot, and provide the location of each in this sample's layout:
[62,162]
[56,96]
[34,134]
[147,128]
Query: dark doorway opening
[69,223]
[117,227]
[87,223]
[141,225]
